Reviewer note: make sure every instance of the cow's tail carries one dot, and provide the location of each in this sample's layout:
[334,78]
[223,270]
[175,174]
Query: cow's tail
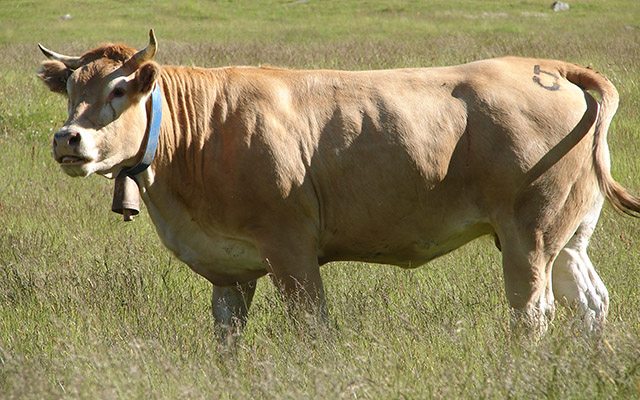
[617,194]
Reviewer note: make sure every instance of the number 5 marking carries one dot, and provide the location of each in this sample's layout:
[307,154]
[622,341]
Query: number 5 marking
[536,78]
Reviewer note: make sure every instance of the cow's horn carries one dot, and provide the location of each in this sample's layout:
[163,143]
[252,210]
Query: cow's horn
[70,62]
[147,53]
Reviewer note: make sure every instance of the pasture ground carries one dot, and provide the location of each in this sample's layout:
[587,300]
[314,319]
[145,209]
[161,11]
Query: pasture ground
[91,307]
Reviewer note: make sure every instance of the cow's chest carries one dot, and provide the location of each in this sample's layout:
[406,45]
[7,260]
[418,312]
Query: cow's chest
[219,257]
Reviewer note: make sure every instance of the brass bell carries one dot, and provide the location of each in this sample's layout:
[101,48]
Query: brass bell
[126,197]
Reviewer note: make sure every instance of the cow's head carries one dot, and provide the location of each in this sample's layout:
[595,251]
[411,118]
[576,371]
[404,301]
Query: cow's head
[107,90]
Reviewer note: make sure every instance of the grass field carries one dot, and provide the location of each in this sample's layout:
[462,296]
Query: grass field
[91,307]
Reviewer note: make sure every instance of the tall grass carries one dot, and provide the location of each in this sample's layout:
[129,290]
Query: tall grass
[91,307]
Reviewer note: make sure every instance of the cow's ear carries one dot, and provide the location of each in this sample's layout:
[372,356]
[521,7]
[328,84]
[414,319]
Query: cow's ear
[146,76]
[54,74]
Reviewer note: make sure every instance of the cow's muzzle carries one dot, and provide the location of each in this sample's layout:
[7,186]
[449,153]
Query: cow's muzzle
[66,144]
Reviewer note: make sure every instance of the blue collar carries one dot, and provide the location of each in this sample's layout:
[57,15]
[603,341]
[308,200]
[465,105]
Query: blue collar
[152,135]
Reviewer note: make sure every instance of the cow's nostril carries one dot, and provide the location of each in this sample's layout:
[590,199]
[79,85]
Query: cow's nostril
[74,139]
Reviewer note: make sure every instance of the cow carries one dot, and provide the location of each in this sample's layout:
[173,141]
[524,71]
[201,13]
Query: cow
[254,171]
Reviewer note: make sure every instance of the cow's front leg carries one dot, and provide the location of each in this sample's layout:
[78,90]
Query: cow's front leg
[295,271]
[230,305]
[302,291]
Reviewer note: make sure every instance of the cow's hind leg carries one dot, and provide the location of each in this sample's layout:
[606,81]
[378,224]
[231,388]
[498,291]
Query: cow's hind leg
[230,306]
[576,282]
[527,275]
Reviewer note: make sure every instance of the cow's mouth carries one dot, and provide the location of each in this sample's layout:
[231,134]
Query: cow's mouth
[72,160]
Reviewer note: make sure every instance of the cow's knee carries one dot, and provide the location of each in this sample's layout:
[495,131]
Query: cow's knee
[230,306]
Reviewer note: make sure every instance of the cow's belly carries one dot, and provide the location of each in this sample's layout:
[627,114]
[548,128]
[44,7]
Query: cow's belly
[222,259]
[408,251]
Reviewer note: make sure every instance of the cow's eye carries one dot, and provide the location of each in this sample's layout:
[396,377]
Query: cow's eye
[118,92]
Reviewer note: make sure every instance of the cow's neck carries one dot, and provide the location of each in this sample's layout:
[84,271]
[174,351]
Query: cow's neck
[175,179]
[189,97]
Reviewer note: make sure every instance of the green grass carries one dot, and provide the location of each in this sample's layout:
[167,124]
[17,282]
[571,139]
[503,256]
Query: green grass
[91,307]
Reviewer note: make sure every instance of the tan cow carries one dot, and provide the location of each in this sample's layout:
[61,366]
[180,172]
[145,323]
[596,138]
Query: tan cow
[271,171]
